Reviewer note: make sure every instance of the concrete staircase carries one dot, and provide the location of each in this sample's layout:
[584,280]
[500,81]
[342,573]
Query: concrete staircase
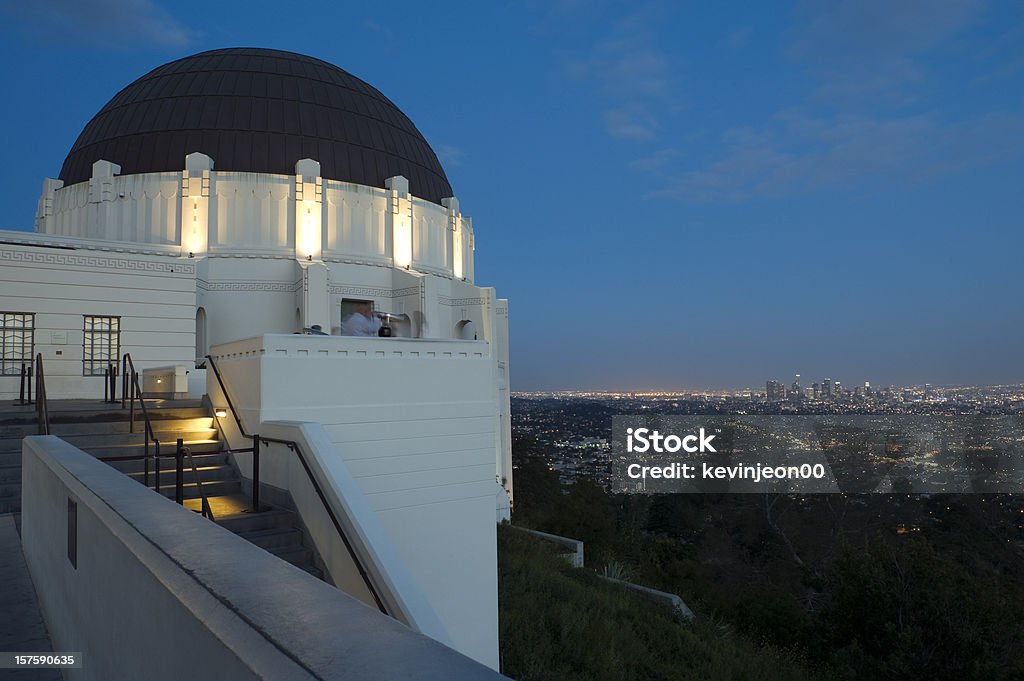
[103,431]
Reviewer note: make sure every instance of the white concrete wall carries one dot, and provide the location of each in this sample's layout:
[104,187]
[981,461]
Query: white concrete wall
[252,211]
[378,558]
[254,214]
[135,208]
[355,224]
[415,422]
[153,295]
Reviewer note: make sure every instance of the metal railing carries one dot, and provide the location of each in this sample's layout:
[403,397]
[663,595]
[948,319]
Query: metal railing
[110,383]
[179,492]
[180,454]
[42,408]
[132,393]
[296,449]
[25,397]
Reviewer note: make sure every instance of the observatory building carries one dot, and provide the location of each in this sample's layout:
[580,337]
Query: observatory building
[264,232]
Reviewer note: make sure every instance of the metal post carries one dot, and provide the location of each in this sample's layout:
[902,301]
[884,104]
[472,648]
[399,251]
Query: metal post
[21,389]
[131,405]
[124,379]
[29,384]
[256,474]
[106,384]
[156,463]
[179,479]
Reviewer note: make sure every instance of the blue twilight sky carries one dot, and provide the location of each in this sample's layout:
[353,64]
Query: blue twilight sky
[672,195]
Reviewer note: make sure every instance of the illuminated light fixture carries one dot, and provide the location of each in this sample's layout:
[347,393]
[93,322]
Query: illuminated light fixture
[220,412]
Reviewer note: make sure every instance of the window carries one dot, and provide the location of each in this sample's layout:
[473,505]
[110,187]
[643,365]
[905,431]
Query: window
[102,344]
[17,330]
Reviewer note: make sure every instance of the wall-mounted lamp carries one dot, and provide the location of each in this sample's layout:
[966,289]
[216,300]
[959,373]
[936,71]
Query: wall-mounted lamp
[191,254]
[220,412]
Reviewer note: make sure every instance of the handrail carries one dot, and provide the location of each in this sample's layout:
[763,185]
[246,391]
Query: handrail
[178,457]
[206,510]
[132,385]
[42,408]
[294,446]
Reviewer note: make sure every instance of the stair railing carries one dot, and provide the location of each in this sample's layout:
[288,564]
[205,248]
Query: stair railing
[132,392]
[296,449]
[181,454]
[42,408]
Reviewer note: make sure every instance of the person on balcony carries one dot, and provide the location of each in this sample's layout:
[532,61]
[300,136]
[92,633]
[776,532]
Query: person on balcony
[362,322]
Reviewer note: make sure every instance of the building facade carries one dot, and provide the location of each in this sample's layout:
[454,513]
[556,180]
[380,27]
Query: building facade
[233,196]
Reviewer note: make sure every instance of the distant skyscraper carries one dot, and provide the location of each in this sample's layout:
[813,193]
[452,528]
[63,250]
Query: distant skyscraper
[816,391]
[775,391]
[826,389]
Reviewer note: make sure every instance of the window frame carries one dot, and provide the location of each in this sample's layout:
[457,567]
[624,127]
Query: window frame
[11,366]
[89,367]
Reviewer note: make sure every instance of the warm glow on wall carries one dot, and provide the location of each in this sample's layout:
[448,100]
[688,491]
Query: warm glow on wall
[195,227]
[457,249]
[307,221]
[403,240]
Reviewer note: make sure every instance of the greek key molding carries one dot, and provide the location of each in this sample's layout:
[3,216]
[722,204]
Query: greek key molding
[458,302]
[97,261]
[278,286]
[371,292]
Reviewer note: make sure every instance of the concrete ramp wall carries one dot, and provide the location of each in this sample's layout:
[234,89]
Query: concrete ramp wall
[147,589]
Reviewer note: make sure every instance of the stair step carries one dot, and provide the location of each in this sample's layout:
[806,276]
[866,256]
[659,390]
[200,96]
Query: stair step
[114,413]
[278,539]
[18,431]
[10,474]
[197,447]
[10,446]
[168,437]
[206,474]
[212,488]
[167,464]
[10,496]
[253,522]
[100,427]
[299,557]
[316,572]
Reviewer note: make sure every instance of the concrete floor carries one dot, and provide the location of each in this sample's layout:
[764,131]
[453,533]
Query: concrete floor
[22,629]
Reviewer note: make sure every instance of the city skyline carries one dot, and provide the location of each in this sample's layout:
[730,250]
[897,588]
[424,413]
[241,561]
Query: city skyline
[671,196]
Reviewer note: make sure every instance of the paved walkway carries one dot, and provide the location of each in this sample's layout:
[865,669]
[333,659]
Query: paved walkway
[21,623]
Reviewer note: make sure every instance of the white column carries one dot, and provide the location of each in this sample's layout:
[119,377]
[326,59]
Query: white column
[309,192]
[400,220]
[44,209]
[196,189]
[456,236]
